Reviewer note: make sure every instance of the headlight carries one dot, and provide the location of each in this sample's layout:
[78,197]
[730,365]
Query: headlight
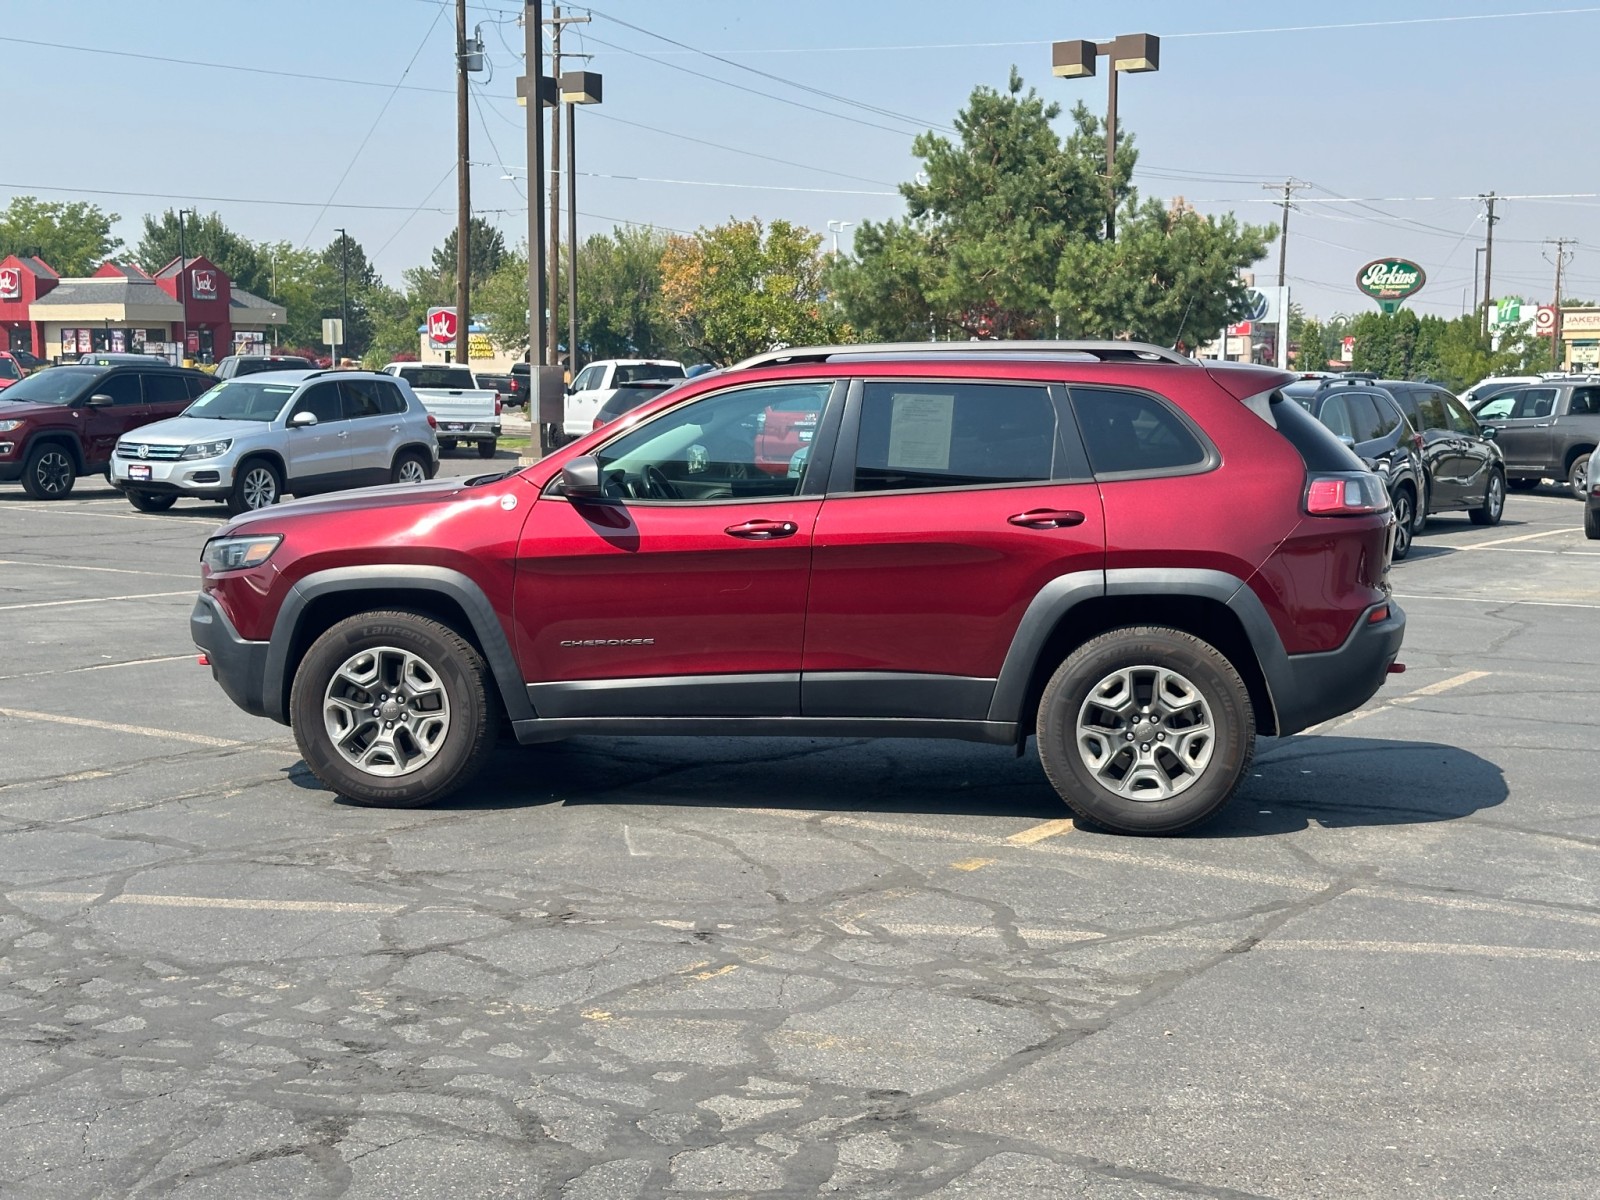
[206,449]
[238,553]
[8,426]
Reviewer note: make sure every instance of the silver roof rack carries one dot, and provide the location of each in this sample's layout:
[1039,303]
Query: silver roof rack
[1105,351]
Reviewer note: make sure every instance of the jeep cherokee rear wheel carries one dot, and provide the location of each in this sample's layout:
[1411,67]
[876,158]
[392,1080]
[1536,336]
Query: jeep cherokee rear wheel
[1146,730]
[393,710]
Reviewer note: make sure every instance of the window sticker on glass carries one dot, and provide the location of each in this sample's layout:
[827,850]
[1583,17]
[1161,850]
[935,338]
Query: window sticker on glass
[920,425]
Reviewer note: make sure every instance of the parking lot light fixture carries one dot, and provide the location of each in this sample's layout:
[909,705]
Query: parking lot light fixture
[1135,53]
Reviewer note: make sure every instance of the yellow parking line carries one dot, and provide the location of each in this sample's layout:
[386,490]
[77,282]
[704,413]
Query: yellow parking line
[970,864]
[1039,832]
[160,901]
[1432,689]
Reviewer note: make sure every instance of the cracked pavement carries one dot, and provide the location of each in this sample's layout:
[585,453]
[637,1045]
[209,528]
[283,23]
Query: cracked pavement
[710,967]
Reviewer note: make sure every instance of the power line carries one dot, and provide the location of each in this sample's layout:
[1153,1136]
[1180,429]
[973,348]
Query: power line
[371,129]
[87,191]
[804,87]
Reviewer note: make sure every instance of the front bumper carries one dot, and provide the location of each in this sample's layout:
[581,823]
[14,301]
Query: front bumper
[205,478]
[238,665]
[1318,687]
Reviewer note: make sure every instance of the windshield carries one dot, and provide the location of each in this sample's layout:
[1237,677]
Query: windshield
[58,385]
[242,400]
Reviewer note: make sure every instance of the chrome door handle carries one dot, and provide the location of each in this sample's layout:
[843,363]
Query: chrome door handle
[1047,518]
[344,433]
[763,531]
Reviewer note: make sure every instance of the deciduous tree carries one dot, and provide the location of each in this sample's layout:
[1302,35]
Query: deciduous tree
[72,236]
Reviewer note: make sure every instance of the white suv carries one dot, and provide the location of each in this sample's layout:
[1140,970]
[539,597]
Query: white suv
[596,383]
[250,440]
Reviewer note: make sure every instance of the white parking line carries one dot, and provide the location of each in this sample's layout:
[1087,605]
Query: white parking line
[157,901]
[1525,537]
[58,566]
[1432,689]
[1499,602]
[95,600]
[198,739]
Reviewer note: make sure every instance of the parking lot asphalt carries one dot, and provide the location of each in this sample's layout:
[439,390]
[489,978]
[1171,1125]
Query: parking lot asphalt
[713,967]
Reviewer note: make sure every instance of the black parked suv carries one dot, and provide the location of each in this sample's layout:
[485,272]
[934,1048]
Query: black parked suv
[236,365]
[1463,468]
[1369,421]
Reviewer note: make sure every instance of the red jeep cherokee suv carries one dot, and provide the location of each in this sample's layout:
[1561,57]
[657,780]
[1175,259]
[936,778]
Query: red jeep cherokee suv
[1141,560]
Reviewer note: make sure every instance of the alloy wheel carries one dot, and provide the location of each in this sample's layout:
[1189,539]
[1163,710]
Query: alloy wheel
[1146,733]
[260,488]
[386,712]
[53,471]
[411,472]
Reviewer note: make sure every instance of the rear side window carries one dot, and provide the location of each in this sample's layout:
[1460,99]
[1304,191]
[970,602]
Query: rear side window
[1135,432]
[1585,401]
[165,389]
[362,397]
[197,385]
[1536,402]
[1320,449]
[1335,414]
[391,400]
[925,434]
[1366,423]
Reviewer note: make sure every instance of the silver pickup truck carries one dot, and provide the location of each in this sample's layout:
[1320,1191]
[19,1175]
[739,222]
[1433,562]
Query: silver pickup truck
[465,412]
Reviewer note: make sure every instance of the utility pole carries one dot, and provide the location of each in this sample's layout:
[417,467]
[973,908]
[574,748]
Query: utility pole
[531,88]
[556,23]
[1290,186]
[463,192]
[344,290]
[1562,256]
[1488,264]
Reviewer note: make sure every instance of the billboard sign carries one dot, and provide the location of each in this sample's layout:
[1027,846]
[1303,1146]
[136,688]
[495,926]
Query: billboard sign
[442,326]
[10,283]
[1390,281]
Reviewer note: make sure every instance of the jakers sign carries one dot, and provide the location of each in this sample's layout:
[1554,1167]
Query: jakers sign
[1390,280]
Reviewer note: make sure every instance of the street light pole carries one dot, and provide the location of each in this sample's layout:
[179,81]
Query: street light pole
[531,89]
[1135,53]
[836,228]
[577,87]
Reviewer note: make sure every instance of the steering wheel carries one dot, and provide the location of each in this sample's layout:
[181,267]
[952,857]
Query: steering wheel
[657,486]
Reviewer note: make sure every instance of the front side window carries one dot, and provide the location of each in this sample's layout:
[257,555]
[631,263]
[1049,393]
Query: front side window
[1134,432]
[1500,408]
[1461,421]
[587,379]
[928,434]
[123,390]
[321,400]
[1430,408]
[716,448]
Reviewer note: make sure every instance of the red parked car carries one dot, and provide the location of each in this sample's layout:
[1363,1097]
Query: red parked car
[1138,559]
[11,370]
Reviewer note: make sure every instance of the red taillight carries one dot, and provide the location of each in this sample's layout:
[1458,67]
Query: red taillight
[599,422]
[498,403]
[1345,495]
[433,422]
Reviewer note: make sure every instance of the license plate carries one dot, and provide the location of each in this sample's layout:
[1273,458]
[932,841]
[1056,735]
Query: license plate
[454,425]
[138,471]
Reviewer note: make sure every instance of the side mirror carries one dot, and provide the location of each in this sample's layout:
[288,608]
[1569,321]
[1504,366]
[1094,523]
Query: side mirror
[1489,432]
[302,420]
[1347,440]
[580,478]
[100,400]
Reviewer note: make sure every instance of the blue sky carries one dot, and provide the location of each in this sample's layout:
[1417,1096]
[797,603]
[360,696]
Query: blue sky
[1419,114]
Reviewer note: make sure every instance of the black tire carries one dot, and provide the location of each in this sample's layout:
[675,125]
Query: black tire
[485,449]
[409,467]
[150,502]
[1578,476]
[454,677]
[1494,502]
[1214,687]
[554,436]
[447,446]
[1522,485]
[257,484]
[1591,523]
[49,472]
[1405,518]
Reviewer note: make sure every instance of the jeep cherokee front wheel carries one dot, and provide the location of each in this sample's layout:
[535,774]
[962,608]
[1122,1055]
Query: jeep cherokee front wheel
[392,709]
[1146,730]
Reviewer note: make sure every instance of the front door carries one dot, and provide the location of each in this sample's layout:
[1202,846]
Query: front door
[318,455]
[683,591]
[1525,435]
[950,506]
[104,424]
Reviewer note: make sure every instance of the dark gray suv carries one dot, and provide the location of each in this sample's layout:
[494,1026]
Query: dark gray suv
[1546,430]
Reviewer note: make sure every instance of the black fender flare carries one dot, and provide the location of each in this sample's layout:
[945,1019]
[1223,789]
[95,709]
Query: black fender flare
[1061,595]
[441,581]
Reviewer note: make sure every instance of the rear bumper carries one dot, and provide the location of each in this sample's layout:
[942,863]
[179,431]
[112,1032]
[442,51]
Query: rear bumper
[466,431]
[238,665]
[1313,688]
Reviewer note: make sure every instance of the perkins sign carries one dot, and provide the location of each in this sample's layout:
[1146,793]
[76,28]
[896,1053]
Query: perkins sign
[1390,280]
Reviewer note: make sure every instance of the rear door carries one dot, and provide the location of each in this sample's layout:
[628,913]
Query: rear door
[166,394]
[374,430]
[951,504]
[1441,447]
[318,456]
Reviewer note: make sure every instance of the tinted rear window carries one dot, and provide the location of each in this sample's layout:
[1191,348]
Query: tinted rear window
[638,372]
[1132,431]
[1320,449]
